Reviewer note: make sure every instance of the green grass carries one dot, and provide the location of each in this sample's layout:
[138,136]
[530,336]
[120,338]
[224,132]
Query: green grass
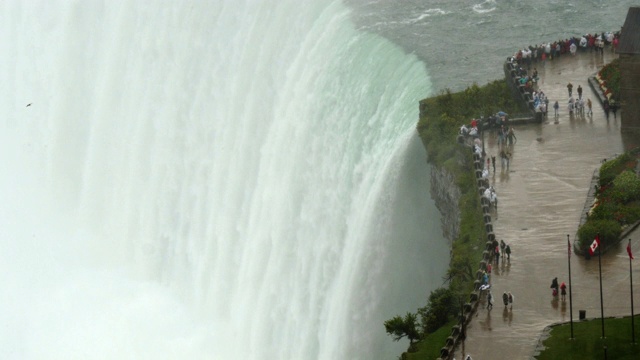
[429,348]
[588,343]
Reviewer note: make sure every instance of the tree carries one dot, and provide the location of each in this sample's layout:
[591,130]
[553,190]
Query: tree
[442,303]
[399,327]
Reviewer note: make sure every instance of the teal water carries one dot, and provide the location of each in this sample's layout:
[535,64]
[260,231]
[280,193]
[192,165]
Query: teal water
[462,42]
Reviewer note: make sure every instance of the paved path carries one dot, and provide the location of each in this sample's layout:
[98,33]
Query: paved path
[541,199]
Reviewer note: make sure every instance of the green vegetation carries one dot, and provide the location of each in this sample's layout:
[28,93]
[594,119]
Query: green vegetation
[448,111]
[400,327]
[588,343]
[442,304]
[612,168]
[429,347]
[617,204]
[438,127]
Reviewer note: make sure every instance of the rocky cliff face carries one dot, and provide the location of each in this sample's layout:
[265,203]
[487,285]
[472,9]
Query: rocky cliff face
[446,196]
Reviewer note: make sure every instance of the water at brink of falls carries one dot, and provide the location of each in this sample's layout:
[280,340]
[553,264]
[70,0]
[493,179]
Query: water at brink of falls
[232,179]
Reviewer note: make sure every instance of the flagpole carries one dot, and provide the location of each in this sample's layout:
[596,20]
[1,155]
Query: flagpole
[600,270]
[633,328]
[570,300]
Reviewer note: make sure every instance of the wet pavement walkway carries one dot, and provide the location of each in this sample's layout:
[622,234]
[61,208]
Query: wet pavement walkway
[541,200]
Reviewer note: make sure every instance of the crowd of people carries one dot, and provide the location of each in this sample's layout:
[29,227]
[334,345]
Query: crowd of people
[502,251]
[540,53]
[524,59]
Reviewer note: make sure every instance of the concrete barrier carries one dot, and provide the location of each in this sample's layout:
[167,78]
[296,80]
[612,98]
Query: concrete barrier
[485,255]
[467,307]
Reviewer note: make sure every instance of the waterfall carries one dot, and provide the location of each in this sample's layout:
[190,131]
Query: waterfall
[234,179]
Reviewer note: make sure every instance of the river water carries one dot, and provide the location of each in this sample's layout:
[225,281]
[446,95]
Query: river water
[462,42]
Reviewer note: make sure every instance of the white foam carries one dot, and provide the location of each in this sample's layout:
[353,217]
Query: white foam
[201,180]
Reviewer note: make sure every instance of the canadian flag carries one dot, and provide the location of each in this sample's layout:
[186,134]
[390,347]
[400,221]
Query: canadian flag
[594,245]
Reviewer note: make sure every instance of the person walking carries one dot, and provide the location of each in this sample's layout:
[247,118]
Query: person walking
[489,300]
[511,136]
[570,88]
[510,297]
[502,134]
[589,105]
[497,255]
[493,162]
[563,291]
[546,106]
[507,250]
[571,105]
[605,105]
[579,92]
[554,286]
[503,159]
[505,299]
[556,106]
[503,245]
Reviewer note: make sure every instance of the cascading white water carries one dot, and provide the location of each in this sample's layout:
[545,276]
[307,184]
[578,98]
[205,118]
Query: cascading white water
[209,180]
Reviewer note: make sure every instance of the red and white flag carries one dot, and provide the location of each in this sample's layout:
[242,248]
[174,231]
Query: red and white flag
[629,250]
[594,245]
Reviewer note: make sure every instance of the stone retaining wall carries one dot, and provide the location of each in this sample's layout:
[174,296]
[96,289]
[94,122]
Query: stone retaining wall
[446,196]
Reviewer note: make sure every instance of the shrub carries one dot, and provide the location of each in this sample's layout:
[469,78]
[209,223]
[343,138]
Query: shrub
[608,229]
[442,304]
[611,168]
[627,214]
[604,208]
[626,187]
